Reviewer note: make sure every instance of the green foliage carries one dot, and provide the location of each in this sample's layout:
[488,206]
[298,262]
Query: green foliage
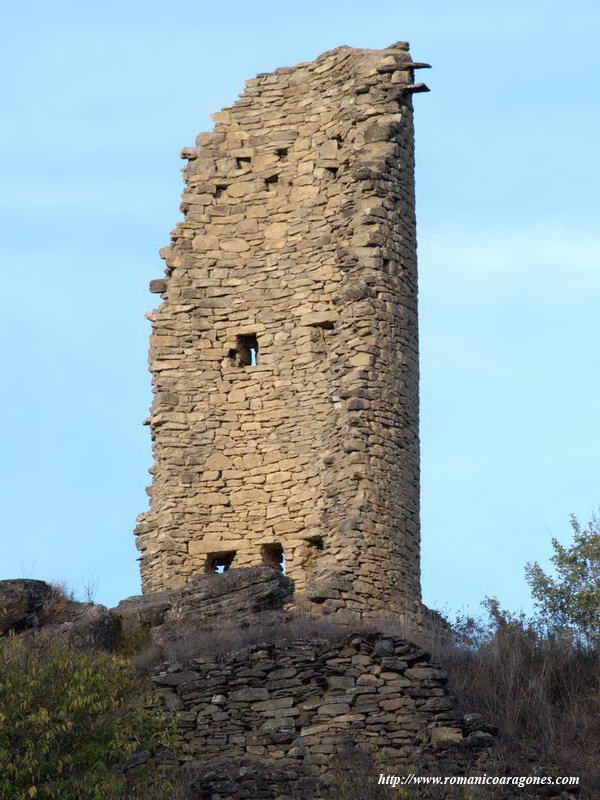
[68,720]
[572,598]
[133,640]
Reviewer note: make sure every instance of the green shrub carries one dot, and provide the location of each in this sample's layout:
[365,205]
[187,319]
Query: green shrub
[572,598]
[69,721]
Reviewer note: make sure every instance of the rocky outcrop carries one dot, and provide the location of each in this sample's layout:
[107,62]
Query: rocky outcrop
[22,601]
[29,605]
[85,625]
[207,601]
[233,599]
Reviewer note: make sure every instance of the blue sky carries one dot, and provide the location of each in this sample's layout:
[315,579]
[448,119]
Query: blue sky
[98,99]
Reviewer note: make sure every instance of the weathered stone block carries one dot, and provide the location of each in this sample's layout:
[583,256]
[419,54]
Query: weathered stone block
[441,737]
[21,602]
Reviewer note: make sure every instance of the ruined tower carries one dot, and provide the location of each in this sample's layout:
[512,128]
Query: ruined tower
[284,352]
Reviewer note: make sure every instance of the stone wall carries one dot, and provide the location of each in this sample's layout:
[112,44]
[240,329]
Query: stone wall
[284,351]
[287,712]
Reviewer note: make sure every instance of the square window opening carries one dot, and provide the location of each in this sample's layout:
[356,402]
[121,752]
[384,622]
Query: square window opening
[219,189]
[218,563]
[243,161]
[272,556]
[245,353]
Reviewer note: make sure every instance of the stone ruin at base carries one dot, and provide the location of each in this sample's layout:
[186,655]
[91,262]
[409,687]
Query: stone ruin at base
[284,353]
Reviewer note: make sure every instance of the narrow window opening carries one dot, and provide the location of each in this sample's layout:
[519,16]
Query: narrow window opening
[246,352]
[218,563]
[327,325]
[282,152]
[219,189]
[272,556]
[321,331]
[243,161]
[314,548]
[271,182]
[386,265]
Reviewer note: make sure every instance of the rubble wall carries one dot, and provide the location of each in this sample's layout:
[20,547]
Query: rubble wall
[285,714]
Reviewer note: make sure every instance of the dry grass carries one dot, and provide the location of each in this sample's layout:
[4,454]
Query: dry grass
[58,605]
[542,691]
[269,628]
[274,626]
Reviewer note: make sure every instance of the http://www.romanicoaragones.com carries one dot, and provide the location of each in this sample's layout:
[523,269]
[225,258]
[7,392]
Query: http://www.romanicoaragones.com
[476,780]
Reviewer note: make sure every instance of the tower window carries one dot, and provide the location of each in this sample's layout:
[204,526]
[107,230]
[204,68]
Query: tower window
[219,562]
[327,325]
[246,351]
[315,546]
[272,556]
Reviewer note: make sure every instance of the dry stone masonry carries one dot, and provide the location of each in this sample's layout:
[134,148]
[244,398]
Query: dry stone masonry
[284,351]
[275,718]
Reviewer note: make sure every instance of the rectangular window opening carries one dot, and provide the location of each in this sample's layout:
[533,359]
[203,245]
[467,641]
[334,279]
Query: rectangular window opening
[271,182]
[219,189]
[282,152]
[246,351]
[314,547]
[328,325]
[218,563]
[272,556]
[243,161]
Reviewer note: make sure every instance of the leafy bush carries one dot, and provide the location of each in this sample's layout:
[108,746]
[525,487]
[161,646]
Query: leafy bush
[69,721]
[573,597]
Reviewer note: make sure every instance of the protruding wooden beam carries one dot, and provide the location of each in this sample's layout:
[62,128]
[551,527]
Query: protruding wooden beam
[403,65]
[413,88]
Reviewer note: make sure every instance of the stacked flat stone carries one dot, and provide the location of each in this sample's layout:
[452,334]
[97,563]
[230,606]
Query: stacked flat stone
[293,707]
[284,351]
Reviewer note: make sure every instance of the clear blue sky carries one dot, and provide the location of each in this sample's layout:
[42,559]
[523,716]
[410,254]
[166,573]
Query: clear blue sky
[98,98]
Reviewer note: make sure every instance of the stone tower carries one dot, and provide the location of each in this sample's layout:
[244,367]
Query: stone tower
[284,352]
